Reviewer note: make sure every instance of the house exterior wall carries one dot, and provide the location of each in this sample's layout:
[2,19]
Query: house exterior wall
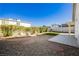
[76,15]
[12,22]
[25,24]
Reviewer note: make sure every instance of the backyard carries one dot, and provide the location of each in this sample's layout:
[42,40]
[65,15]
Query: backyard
[35,46]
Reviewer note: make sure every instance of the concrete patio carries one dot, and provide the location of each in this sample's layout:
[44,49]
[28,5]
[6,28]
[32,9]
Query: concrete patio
[67,39]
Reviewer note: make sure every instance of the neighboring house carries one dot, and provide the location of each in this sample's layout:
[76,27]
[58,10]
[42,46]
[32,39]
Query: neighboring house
[55,25]
[14,22]
[62,28]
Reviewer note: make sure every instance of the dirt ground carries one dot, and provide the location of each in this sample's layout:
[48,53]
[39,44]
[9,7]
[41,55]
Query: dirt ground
[35,46]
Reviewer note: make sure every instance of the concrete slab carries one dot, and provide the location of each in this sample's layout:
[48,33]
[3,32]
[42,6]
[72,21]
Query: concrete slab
[65,39]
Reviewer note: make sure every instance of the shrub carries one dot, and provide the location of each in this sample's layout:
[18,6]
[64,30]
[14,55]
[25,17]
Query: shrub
[27,29]
[7,30]
[43,29]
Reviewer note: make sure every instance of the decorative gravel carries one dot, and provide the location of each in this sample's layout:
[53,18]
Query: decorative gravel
[35,46]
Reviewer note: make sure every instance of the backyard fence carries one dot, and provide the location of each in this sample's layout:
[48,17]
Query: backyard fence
[61,29]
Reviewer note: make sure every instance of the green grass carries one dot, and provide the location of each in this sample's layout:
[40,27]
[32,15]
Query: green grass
[51,33]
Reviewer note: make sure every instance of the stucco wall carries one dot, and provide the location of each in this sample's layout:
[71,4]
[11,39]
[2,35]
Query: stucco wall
[25,24]
[76,21]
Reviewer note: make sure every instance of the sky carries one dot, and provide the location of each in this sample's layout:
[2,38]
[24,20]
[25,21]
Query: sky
[37,14]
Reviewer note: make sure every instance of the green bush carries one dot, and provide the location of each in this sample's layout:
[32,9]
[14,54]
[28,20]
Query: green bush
[43,29]
[28,29]
[7,30]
